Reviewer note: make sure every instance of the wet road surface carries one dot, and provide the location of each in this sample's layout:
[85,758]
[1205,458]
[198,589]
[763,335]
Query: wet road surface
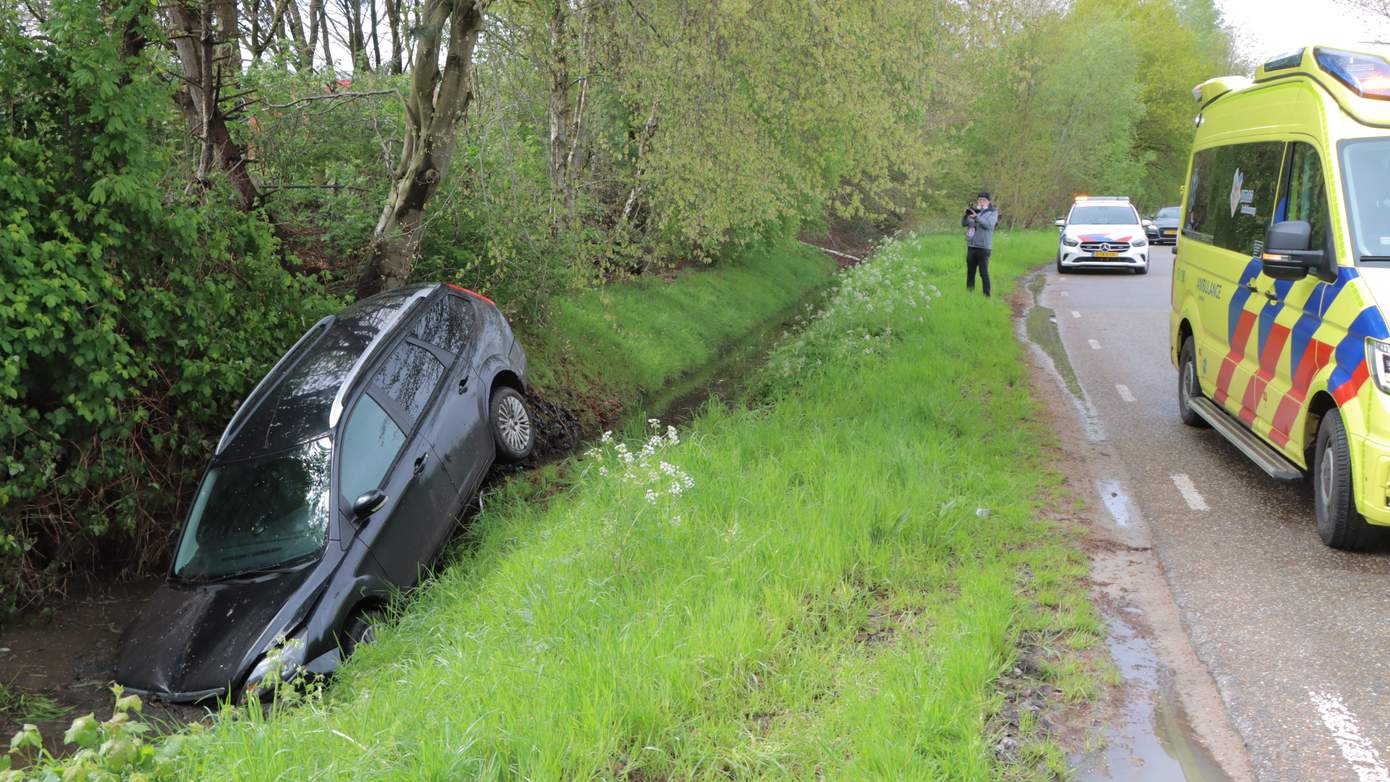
[1296,635]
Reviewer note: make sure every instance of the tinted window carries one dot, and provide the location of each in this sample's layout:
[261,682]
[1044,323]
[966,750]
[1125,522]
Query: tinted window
[408,378]
[257,513]
[1305,197]
[1104,215]
[447,324]
[371,441]
[1231,195]
[1366,168]
[1168,213]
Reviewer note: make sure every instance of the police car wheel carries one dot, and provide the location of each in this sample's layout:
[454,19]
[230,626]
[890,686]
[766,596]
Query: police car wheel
[1189,387]
[1142,269]
[1060,268]
[1334,503]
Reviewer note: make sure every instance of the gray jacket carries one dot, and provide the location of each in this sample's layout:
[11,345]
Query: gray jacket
[983,223]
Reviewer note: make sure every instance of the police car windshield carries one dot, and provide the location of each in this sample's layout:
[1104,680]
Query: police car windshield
[1103,215]
[1366,167]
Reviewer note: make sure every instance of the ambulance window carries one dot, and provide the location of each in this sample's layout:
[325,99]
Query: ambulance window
[1306,196]
[1366,169]
[1232,195]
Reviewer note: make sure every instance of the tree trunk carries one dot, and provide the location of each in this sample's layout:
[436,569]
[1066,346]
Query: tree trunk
[376,39]
[303,49]
[203,48]
[561,115]
[393,18]
[433,105]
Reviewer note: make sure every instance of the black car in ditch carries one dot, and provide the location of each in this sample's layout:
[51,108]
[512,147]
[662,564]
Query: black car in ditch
[335,483]
[1162,228]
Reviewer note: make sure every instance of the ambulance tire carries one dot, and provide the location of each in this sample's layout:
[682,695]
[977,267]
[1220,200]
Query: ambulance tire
[1189,385]
[1334,502]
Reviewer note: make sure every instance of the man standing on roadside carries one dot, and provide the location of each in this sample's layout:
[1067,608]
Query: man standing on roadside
[979,221]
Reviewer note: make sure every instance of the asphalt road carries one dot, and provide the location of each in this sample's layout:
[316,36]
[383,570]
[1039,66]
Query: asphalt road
[1296,635]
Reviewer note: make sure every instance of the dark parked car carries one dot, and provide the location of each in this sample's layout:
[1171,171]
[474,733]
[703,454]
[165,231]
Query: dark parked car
[1162,228]
[338,479]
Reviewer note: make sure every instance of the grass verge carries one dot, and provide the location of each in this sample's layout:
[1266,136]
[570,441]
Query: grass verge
[834,583]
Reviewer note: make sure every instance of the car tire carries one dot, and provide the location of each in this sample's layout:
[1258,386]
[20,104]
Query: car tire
[1060,268]
[513,428]
[1142,269]
[1334,502]
[360,628]
[1189,385]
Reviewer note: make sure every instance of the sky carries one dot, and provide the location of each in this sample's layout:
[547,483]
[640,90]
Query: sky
[1265,28]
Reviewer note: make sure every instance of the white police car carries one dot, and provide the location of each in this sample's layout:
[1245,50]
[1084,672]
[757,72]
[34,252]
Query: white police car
[1102,232]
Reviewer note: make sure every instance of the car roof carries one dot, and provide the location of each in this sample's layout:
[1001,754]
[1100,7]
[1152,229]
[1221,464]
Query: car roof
[299,398]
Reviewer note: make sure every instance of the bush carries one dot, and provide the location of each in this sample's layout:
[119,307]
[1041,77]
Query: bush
[130,321]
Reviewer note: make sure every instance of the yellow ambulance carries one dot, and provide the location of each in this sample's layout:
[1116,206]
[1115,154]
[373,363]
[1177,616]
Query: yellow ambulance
[1281,282]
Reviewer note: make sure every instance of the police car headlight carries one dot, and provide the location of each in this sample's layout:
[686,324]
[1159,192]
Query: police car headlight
[1070,242]
[1378,359]
[1141,243]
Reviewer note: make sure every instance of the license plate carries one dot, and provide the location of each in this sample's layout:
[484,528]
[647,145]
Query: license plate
[1170,232]
[1107,255]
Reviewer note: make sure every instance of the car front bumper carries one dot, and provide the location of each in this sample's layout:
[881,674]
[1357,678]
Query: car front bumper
[1159,236]
[1133,258]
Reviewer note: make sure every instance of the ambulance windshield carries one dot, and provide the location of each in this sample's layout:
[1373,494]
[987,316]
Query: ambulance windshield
[1366,168]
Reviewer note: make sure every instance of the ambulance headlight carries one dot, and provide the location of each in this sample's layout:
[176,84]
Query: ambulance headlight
[1378,359]
[1070,242]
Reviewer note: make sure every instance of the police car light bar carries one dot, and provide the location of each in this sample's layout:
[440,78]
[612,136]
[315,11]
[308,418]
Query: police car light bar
[1101,198]
[1365,74]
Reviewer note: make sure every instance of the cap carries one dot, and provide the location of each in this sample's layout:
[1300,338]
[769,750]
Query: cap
[983,194]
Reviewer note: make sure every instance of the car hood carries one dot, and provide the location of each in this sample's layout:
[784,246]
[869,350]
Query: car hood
[192,641]
[1105,233]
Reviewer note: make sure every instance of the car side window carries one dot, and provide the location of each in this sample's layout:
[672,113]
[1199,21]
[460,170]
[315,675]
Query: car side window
[1231,195]
[408,377]
[371,441]
[447,324]
[1305,197]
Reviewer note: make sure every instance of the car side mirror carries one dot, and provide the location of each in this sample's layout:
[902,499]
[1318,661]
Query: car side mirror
[1286,255]
[1060,222]
[368,503]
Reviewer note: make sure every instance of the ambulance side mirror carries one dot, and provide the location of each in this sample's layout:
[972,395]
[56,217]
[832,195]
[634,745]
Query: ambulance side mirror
[1286,255]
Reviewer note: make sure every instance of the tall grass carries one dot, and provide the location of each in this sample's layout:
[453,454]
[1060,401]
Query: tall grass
[827,584]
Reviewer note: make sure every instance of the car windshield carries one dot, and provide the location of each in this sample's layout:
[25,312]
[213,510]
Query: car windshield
[1103,215]
[1168,213]
[1366,168]
[258,514]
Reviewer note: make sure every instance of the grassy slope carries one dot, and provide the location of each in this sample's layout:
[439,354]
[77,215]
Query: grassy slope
[824,597]
[633,338]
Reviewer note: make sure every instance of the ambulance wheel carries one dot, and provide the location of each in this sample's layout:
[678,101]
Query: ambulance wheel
[1189,386]
[1334,502]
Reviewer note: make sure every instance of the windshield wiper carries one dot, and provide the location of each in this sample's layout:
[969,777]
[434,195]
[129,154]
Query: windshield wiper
[1375,259]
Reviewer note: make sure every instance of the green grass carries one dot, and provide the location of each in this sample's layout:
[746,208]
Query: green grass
[629,339]
[27,706]
[855,565]
[825,599]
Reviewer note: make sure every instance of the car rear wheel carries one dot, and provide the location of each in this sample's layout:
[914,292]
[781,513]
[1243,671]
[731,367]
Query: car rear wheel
[512,427]
[1339,524]
[1189,387]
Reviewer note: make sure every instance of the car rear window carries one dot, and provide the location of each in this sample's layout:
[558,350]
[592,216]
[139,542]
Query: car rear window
[447,324]
[408,378]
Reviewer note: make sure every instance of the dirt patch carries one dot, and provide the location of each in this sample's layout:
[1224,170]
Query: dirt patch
[68,656]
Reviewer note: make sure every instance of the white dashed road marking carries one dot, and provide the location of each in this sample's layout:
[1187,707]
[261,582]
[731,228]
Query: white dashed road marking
[1358,751]
[1125,393]
[1194,498]
[1075,314]
[1094,344]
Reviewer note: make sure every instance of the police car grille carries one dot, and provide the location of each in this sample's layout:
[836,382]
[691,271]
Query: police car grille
[1104,247]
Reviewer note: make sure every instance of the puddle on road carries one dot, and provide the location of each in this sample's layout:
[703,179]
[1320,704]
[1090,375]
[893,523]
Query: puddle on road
[1039,326]
[1152,739]
[1116,500]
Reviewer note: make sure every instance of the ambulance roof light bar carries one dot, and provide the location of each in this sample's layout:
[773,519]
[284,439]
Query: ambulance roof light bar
[1367,75]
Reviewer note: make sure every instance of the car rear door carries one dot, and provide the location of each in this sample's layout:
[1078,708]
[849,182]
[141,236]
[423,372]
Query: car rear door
[458,425]
[385,446]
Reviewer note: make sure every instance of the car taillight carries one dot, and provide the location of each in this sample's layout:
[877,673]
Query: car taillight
[474,294]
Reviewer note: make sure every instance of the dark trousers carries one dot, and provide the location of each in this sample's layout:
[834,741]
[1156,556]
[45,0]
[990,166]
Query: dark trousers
[976,258]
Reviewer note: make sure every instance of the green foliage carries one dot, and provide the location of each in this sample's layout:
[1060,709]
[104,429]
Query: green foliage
[114,749]
[130,321]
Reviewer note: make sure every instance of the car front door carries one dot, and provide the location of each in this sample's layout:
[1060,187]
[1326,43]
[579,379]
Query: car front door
[384,447]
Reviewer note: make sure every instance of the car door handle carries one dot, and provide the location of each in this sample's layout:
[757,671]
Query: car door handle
[1250,286]
[1271,295]
[463,384]
[420,463]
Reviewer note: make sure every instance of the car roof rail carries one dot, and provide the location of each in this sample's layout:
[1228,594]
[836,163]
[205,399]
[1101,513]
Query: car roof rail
[350,379]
